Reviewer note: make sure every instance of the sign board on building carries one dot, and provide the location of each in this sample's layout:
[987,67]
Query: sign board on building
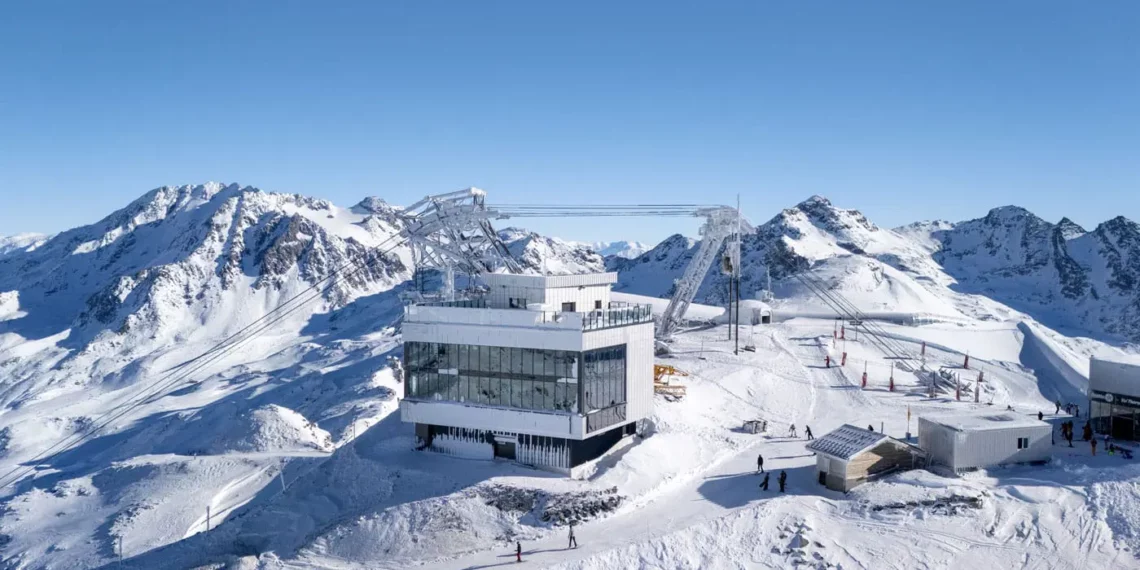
[1114,399]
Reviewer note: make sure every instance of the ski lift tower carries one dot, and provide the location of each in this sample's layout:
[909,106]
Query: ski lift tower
[453,232]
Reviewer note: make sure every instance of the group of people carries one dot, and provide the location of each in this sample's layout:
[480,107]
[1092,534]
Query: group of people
[782,479]
[1071,409]
[807,432]
[1087,434]
[1067,431]
[573,543]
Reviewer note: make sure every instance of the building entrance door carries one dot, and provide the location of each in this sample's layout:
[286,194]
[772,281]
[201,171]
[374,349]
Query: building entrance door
[505,449]
[1123,425]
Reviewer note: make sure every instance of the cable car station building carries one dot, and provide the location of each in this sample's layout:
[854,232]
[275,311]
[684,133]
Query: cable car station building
[542,370]
[1114,398]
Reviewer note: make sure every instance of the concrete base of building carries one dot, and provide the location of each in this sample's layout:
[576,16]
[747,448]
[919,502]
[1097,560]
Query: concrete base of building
[542,452]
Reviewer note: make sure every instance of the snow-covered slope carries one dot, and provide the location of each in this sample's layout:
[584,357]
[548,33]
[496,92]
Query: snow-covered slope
[20,242]
[879,269]
[293,444]
[548,255]
[92,318]
[1006,264]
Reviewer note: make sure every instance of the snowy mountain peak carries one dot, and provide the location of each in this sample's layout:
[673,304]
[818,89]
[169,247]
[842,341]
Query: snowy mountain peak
[1069,229]
[821,213]
[551,256]
[625,249]
[1006,214]
[814,201]
[1120,225]
[180,254]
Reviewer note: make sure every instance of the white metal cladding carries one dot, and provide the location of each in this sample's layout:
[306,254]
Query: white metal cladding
[1115,377]
[550,281]
[456,414]
[585,299]
[585,291]
[638,363]
[937,440]
[539,337]
[973,449]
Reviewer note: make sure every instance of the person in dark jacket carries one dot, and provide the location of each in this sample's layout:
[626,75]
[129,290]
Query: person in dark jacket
[1040,416]
[518,551]
[573,541]
[870,427]
[783,480]
[760,463]
[1058,412]
[764,484]
[807,430]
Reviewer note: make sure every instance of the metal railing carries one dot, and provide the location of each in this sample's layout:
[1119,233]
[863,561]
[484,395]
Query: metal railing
[459,303]
[616,317]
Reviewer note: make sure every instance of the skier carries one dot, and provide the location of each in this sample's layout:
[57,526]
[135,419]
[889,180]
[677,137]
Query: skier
[1058,412]
[573,541]
[518,551]
[783,480]
[827,360]
[1069,434]
[1040,416]
[760,463]
[792,430]
[764,484]
[807,429]
[1076,410]
[1093,443]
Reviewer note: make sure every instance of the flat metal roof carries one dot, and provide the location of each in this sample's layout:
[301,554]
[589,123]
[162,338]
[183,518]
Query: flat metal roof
[983,420]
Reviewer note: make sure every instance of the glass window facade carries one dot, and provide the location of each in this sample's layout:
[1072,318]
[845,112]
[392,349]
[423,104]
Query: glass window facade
[1121,422]
[495,376]
[603,371]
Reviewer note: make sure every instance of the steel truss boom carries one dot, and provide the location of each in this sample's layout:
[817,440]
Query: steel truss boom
[722,224]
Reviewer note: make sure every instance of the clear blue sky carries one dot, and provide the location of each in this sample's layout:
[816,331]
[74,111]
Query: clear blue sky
[906,110]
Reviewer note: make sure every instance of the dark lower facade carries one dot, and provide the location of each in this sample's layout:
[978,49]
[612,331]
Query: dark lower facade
[544,452]
[1117,415]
